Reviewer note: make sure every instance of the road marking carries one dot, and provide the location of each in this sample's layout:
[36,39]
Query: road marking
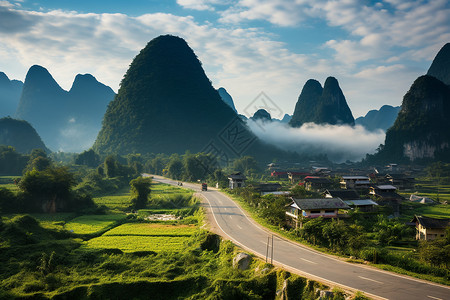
[434,298]
[239,227]
[225,209]
[370,279]
[307,260]
[230,217]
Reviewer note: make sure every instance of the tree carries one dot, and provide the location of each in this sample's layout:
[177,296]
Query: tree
[11,161]
[199,166]
[38,161]
[88,158]
[246,165]
[140,191]
[48,190]
[175,168]
[110,166]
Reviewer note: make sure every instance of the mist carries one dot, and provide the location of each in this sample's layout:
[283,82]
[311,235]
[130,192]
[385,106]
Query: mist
[339,142]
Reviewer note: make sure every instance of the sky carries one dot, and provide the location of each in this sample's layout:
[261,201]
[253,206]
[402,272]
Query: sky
[376,49]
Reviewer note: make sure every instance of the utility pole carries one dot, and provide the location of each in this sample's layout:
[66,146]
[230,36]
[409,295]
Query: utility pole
[271,260]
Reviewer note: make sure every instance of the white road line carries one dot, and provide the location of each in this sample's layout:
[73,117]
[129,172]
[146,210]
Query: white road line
[307,260]
[370,279]
[434,298]
[230,217]
[239,227]
[225,209]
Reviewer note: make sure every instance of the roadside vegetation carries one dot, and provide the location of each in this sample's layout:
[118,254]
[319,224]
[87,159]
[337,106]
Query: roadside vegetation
[122,236]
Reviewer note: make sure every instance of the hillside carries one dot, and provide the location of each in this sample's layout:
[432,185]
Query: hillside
[421,128]
[226,98]
[166,104]
[319,105]
[20,134]
[10,91]
[440,67]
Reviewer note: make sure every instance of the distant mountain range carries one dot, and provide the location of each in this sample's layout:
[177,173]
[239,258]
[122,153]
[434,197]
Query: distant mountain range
[21,135]
[66,121]
[10,91]
[319,105]
[382,119]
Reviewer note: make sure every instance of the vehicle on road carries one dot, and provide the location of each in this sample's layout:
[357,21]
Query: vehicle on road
[204,186]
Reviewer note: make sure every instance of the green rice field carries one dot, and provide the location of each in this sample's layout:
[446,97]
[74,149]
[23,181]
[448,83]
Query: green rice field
[119,200]
[92,223]
[132,237]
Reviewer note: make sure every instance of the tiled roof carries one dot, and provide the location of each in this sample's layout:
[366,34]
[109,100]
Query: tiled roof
[327,203]
[431,222]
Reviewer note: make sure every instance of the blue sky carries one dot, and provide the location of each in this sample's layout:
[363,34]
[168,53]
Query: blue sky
[375,49]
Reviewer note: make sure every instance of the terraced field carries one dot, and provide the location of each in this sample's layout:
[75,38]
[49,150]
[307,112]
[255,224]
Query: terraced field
[92,223]
[132,237]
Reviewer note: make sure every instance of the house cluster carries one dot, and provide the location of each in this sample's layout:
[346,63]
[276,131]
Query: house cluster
[341,196]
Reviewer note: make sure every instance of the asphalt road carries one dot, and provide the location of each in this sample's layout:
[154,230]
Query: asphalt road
[243,231]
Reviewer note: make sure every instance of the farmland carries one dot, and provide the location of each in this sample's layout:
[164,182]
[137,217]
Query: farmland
[133,237]
[121,255]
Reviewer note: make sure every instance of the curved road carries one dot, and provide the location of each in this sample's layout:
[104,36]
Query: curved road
[238,227]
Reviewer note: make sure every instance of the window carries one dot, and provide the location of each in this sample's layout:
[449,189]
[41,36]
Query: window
[329,211]
[315,211]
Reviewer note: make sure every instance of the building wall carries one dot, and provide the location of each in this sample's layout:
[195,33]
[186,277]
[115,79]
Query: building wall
[331,213]
[429,234]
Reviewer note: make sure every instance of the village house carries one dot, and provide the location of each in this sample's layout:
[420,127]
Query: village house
[386,195]
[268,188]
[236,180]
[352,199]
[355,182]
[365,205]
[428,229]
[279,174]
[402,181]
[297,176]
[316,183]
[343,194]
[384,188]
[313,208]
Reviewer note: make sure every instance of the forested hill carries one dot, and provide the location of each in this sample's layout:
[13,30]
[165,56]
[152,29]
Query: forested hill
[21,135]
[319,105]
[422,126]
[166,104]
[440,68]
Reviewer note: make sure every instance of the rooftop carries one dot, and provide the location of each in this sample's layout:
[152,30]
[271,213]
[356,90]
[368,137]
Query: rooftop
[343,194]
[431,222]
[327,203]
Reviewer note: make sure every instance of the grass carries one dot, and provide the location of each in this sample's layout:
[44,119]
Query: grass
[133,237]
[119,200]
[149,229]
[429,189]
[409,209]
[88,224]
[8,183]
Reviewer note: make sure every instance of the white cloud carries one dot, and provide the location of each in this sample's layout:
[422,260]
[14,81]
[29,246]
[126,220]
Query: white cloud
[339,143]
[278,12]
[245,61]
[198,4]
